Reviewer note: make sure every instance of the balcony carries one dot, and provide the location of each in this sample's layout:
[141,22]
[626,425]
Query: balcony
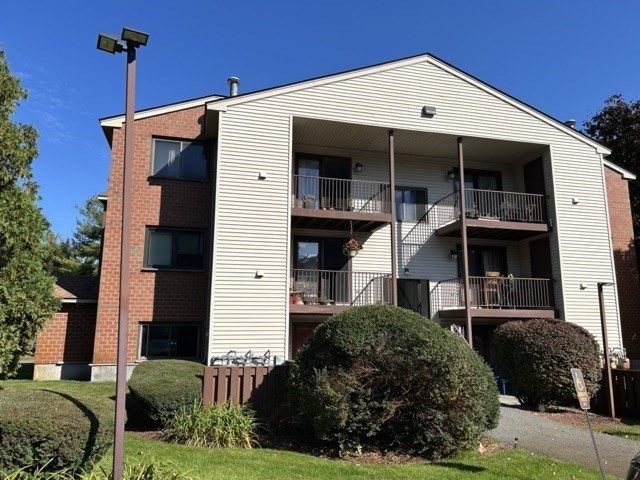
[493,214]
[329,291]
[494,297]
[336,204]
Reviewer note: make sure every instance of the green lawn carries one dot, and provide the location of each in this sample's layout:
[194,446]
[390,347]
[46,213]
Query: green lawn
[630,429]
[267,464]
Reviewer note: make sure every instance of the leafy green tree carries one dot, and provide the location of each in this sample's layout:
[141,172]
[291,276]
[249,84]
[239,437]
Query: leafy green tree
[85,246]
[59,259]
[27,300]
[617,126]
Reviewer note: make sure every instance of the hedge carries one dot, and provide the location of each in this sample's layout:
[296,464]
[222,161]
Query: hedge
[41,428]
[162,387]
[388,377]
[537,357]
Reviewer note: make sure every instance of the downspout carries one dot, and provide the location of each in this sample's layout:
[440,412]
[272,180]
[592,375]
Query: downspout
[394,253]
[465,249]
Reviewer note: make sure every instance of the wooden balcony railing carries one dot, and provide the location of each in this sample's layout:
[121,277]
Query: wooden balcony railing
[493,292]
[339,194]
[330,287]
[492,205]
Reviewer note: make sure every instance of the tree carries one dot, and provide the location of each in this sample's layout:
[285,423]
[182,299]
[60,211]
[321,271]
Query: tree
[27,300]
[85,246]
[59,259]
[617,126]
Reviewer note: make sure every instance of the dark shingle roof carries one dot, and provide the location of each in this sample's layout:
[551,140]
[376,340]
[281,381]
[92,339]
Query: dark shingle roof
[81,287]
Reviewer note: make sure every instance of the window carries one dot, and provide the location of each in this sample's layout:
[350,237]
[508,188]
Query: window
[410,204]
[480,180]
[178,159]
[166,341]
[483,259]
[175,249]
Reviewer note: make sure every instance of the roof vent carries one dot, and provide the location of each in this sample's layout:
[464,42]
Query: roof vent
[233,86]
[570,123]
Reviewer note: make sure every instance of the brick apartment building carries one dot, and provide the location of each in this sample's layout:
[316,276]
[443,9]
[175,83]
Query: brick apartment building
[229,237]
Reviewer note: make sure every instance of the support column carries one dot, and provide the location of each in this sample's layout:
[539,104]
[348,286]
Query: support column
[394,250]
[465,249]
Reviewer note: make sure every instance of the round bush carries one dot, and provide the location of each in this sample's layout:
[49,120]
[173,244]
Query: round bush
[41,427]
[537,357]
[388,377]
[162,387]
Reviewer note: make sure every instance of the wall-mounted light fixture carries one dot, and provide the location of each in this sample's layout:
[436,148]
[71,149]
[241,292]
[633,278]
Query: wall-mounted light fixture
[429,111]
[451,174]
[453,254]
[358,167]
[406,271]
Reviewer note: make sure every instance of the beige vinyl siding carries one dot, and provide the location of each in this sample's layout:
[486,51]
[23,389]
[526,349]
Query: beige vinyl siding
[254,136]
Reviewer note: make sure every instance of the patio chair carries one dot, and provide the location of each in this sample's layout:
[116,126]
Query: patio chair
[491,290]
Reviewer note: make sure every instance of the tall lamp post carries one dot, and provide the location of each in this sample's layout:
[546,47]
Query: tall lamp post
[132,40]
[605,347]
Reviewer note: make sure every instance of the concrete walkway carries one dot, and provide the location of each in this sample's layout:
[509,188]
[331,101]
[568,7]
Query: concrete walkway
[541,435]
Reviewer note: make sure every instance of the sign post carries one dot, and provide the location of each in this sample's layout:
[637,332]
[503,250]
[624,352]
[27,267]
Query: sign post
[585,405]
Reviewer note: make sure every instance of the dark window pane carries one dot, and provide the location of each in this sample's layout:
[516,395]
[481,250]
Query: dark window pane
[159,342]
[399,205]
[166,158]
[144,340]
[184,341]
[194,161]
[160,248]
[421,201]
[189,250]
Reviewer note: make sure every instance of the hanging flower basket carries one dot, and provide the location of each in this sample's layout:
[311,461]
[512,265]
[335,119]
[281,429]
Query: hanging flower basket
[351,248]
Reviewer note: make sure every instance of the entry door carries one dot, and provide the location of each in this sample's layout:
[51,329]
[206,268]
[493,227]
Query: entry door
[534,177]
[336,282]
[540,258]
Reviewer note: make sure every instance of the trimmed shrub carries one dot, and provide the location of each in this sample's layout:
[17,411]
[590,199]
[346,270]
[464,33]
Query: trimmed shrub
[388,377]
[162,387]
[51,430]
[218,426]
[537,357]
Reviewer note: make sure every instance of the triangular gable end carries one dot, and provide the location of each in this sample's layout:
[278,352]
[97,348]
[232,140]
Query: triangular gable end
[223,104]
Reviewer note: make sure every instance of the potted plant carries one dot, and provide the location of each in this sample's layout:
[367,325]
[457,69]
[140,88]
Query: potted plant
[351,248]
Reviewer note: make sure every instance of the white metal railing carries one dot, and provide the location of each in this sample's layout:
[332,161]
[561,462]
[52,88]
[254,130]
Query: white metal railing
[493,292]
[340,287]
[340,194]
[492,205]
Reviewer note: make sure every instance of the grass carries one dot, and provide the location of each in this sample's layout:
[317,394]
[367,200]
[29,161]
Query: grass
[267,464]
[629,429]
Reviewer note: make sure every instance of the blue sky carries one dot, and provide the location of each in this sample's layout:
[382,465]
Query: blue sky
[563,57]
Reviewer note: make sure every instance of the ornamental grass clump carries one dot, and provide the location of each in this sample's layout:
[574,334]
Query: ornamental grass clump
[390,378]
[537,357]
[215,426]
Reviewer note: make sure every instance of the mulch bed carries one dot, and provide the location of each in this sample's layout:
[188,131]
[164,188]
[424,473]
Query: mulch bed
[575,417]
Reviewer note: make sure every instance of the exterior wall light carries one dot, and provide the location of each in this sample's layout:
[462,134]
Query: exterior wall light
[453,254]
[451,174]
[358,167]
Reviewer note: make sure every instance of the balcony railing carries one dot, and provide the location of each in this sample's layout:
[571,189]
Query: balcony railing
[492,205]
[332,287]
[493,292]
[339,194]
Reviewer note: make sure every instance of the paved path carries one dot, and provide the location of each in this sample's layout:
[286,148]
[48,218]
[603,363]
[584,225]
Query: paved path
[564,442]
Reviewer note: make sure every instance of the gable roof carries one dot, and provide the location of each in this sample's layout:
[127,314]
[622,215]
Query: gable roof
[116,121]
[77,288]
[221,104]
[626,174]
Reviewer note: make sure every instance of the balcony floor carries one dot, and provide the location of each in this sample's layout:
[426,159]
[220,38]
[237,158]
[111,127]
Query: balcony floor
[296,309]
[498,313]
[494,229]
[338,219]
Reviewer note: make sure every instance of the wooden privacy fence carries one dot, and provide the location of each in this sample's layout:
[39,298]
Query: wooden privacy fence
[626,393]
[264,388]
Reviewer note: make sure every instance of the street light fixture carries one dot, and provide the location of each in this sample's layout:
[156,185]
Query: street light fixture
[110,44]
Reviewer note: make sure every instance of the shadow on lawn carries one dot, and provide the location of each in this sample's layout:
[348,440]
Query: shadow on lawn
[462,467]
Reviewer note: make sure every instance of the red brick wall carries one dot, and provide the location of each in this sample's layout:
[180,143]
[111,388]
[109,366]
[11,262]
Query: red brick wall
[68,337]
[625,260]
[163,295]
